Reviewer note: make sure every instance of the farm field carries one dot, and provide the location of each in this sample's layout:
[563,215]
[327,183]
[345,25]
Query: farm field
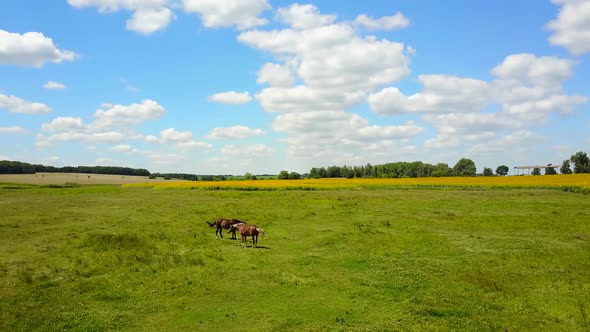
[573,181]
[570,182]
[142,258]
[78,178]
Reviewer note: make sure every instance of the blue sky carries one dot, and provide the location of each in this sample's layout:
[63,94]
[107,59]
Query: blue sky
[229,86]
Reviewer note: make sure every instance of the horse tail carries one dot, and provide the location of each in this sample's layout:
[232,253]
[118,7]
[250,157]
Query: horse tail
[211,224]
[260,230]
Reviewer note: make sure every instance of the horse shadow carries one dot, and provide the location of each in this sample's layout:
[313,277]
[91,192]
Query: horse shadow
[259,247]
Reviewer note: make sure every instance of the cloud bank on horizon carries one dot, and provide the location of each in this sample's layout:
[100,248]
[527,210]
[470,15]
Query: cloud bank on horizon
[230,86]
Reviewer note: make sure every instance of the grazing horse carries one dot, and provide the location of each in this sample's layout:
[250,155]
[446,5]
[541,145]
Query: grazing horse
[222,223]
[248,230]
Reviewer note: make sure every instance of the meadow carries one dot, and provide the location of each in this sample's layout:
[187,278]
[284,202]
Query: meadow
[358,258]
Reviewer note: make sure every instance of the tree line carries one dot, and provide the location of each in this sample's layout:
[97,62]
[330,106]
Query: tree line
[17,167]
[581,164]
[464,167]
[169,176]
[580,161]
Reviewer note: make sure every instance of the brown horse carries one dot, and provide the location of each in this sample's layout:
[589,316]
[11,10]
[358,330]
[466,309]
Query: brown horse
[222,223]
[248,230]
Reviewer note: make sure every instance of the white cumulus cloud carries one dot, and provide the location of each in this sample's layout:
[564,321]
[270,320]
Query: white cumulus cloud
[107,6]
[173,135]
[109,137]
[519,140]
[303,16]
[334,56]
[340,125]
[526,88]
[113,124]
[235,132]
[122,148]
[111,115]
[572,26]
[302,98]
[406,130]
[231,97]
[148,16]
[148,21]
[182,139]
[14,130]
[254,150]
[322,68]
[393,22]
[51,85]
[31,49]
[194,145]
[347,135]
[151,139]
[63,124]
[524,83]
[276,75]
[165,158]
[528,69]
[441,94]
[227,13]
[126,148]
[17,105]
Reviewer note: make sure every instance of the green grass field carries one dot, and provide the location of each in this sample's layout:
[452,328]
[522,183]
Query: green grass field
[95,258]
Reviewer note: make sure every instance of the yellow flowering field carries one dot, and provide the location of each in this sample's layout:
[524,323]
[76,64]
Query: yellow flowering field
[557,181]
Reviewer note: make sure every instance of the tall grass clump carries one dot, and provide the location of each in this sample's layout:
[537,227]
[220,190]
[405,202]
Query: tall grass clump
[107,241]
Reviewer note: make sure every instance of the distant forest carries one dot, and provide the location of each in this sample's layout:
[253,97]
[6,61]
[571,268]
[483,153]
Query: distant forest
[17,167]
[168,176]
[394,170]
